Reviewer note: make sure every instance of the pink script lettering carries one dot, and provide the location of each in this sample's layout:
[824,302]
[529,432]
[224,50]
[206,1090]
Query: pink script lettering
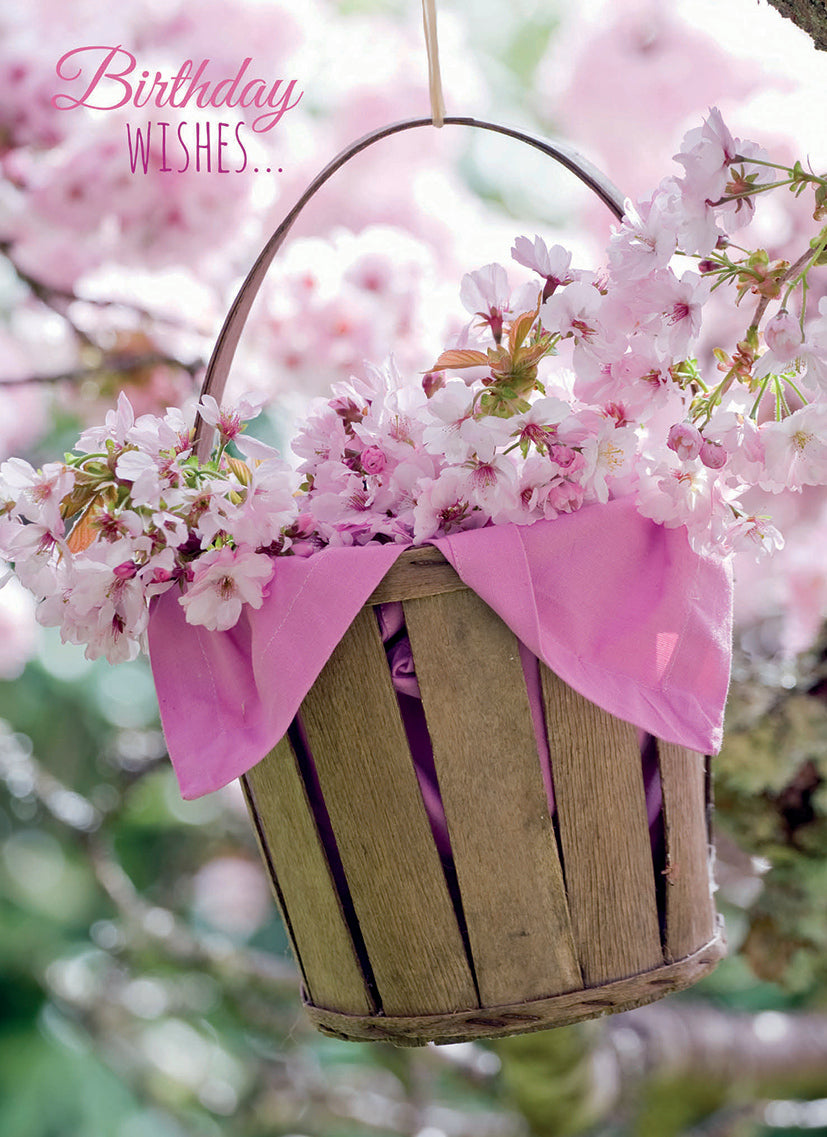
[106,83]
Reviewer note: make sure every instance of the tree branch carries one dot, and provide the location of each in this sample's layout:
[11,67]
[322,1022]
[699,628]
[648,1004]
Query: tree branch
[119,363]
[809,15]
[771,1053]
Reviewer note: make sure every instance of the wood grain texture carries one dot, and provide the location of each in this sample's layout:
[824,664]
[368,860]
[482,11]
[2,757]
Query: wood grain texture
[607,858]
[351,717]
[418,572]
[476,705]
[303,884]
[499,1022]
[690,911]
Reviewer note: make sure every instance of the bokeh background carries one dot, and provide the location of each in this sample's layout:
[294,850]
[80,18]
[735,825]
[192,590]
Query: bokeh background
[146,989]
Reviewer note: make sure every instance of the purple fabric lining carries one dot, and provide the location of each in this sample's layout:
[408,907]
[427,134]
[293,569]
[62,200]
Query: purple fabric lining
[391,621]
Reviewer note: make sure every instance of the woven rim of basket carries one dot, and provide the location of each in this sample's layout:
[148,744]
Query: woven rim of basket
[520,1018]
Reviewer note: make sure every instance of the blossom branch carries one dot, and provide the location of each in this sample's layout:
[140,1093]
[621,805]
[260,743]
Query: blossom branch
[52,295]
[120,363]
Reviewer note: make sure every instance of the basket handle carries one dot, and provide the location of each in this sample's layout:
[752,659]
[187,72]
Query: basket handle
[221,359]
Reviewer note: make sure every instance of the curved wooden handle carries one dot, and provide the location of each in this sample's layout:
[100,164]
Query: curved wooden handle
[222,356]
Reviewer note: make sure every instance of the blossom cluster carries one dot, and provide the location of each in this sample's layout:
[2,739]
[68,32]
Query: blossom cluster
[574,388]
[147,516]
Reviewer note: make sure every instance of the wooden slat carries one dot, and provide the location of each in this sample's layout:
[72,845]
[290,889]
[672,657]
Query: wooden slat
[417,572]
[476,705]
[690,912]
[303,884]
[607,857]
[352,720]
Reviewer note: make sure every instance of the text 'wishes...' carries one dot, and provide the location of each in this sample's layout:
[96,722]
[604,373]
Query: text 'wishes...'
[102,79]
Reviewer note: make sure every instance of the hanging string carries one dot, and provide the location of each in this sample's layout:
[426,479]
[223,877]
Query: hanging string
[434,77]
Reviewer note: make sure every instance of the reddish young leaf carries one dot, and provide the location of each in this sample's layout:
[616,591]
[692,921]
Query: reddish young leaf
[456,358]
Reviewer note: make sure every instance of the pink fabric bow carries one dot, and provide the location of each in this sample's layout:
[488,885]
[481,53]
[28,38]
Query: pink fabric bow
[617,606]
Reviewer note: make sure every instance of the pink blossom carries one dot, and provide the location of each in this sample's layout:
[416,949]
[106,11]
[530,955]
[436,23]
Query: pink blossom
[741,438]
[18,629]
[225,578]
[492,484]
[485,289]
[269,505]
[229,421]
[117,425]
[706,154]
[544,491]
[564,496]
[685,440]
[816,347]
[486,293]
[443,507]
[754,534]
[38,493]
[607,454]
[796,449]
[683,311]
[143,472]
[538,425]
[676,69]
[456,432]
[553,264]
[647,239]
[676,494]
[573,311]
[152,434]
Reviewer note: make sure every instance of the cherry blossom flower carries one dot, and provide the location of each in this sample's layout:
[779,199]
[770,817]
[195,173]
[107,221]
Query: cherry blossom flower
[573,311]
[117,426]
[486,293]
[676,494]
[706,154]
[553,264]
[443,506]
[229,422]
[224,580]
[648,237]
[38,492]
[456,433]
[796,449]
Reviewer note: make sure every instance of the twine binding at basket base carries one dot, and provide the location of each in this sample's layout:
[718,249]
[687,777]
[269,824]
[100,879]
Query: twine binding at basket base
[521,919]
[476,909]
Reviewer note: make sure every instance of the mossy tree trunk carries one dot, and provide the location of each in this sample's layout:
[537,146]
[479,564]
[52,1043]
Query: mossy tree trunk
[810,15]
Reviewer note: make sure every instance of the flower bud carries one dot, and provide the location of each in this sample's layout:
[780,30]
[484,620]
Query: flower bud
[125,571]
[783,336]
[373,460]
[713,455]
[432,382]
[563,455]
[686,440]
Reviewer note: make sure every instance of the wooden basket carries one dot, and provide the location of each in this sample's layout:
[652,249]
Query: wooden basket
[516,919]
[529,920]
